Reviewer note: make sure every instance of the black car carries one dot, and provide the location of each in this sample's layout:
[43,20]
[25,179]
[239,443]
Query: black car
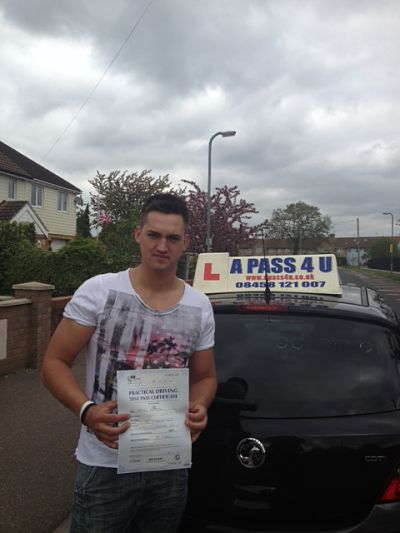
[304,434]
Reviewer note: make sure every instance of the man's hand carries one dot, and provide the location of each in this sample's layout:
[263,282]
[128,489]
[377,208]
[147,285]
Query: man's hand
[101,419]
[196,419]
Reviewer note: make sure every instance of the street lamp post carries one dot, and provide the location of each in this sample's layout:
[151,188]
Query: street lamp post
[391,244]
[208,234]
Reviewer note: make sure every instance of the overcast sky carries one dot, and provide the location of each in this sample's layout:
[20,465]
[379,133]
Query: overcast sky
[311,87]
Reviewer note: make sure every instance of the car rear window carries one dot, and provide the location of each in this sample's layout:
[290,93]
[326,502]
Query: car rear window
[305,366]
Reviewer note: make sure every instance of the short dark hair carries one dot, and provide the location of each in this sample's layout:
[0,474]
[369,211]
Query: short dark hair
[167,203]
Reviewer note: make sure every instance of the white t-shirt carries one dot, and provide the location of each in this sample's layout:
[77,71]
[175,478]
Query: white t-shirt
[129,335]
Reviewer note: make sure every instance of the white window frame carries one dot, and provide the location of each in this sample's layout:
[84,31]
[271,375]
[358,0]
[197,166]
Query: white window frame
[12,188]
[62,201]
[36,195]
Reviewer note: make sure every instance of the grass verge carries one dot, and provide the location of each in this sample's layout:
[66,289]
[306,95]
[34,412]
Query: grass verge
[374,273]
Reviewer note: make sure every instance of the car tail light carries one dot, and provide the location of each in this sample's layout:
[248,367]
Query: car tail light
[255,308]
[392,491]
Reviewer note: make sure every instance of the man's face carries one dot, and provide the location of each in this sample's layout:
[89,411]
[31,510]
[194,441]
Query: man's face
[161,239]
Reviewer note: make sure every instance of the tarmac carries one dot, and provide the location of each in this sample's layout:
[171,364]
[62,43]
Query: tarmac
[64,527]
[38,437]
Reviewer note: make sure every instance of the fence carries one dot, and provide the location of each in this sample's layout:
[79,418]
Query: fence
[384,263]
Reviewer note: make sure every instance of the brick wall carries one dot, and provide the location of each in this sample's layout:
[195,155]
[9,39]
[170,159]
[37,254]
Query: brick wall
[26,323]
[15,334]
[57,309]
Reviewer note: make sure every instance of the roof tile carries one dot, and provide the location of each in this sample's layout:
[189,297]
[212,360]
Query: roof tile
[17,164]
[8,209]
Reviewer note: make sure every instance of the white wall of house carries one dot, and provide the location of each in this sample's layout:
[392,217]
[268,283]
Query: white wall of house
[25,216]
[57,244]
[3,188]
[352,256]
[59,222]
[21,188]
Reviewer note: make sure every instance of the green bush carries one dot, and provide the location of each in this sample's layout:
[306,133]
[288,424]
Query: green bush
[119,241]
[16,241]
[21,261]
[79,260]
[12,232]
[28,263]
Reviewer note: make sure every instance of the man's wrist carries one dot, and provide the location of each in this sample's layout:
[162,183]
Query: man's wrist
[84,409]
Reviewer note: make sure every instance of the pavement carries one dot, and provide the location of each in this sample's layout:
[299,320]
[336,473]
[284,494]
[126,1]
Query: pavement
[37,465]
[64,527]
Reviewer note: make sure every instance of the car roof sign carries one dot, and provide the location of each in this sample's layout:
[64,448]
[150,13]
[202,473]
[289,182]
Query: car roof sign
[220,273]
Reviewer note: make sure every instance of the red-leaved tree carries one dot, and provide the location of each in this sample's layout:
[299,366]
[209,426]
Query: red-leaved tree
[230,214]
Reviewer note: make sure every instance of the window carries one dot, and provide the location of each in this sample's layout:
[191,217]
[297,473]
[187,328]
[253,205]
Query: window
[62,201]
[37,195]
[12,188]
[302,366]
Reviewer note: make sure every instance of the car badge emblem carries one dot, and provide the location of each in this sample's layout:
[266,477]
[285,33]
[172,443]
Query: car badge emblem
[250,453]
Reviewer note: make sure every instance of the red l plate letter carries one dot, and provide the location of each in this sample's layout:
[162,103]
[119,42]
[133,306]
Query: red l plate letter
[208,275]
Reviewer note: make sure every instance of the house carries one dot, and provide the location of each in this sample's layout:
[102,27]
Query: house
[284,247]
[30,192]
[20,211]
[356,249]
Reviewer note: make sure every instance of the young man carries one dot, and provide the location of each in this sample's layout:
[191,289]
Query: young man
[143,317]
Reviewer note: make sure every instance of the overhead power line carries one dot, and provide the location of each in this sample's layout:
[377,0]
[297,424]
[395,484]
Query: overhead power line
[98,81]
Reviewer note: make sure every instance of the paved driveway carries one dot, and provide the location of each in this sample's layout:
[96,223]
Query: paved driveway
[37,465]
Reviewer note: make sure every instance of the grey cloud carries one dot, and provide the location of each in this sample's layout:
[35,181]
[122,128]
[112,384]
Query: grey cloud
[312,92]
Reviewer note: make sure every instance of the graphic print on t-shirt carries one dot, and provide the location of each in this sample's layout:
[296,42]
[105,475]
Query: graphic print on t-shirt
[133,336]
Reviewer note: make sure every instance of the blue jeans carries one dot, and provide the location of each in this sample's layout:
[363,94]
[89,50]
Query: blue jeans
[147,502]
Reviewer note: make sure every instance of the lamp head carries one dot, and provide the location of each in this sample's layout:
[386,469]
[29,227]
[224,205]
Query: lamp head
[228,133]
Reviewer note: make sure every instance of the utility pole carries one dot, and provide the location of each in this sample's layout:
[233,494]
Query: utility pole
[391,243]
[358,242]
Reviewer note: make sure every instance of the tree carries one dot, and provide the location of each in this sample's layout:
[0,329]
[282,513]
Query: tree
[116,203]
[380,249]
[380,257]
[83,223]
[119,194]
[298,223]
[229,216]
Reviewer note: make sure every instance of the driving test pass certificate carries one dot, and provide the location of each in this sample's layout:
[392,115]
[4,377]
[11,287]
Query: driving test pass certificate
[157,401]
